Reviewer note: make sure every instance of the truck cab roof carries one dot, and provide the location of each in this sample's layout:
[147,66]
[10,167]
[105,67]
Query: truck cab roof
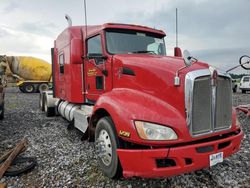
[94,29]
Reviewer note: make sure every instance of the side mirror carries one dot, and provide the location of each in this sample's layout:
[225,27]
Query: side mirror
[76,51]
[187,58]
[245,62]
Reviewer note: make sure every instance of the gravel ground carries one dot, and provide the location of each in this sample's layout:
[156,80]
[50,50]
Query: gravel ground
[66,161]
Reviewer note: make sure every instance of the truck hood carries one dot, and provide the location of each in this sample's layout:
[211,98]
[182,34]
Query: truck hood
[155,62]
[153,75]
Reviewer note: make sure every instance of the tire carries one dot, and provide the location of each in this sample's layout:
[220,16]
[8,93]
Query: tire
[41,101]
[243,91]
[17,171]
[21,89]
[107,142]
[235,89]
[1,111]
[49,111]
[28,88]
[43,87]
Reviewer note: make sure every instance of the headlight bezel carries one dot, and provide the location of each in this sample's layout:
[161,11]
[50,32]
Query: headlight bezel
[160,132]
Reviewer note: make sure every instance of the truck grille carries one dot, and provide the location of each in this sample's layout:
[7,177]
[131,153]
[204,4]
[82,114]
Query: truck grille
[202,106]
[223,104]
[209,108]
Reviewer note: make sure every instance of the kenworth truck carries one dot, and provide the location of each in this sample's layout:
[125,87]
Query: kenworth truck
[150,115]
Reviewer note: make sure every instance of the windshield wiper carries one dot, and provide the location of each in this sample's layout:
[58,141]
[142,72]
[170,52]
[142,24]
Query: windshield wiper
[144,52]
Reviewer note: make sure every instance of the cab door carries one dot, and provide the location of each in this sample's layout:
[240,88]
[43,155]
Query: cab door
[95,69]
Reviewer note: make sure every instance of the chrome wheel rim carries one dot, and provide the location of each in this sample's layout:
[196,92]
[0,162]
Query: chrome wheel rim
[29,88]
[104,147]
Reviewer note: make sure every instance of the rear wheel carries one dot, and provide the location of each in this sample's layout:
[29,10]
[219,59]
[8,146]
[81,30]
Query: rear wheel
[28,88]
[243,91]
[107,142]
[43,87]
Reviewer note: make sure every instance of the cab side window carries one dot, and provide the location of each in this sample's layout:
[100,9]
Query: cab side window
[95,46]
[61,63]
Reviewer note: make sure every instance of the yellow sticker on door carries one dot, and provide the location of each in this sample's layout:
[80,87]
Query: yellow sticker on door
[92,72]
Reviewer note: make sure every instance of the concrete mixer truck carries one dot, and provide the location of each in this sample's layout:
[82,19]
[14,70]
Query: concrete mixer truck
[32,74]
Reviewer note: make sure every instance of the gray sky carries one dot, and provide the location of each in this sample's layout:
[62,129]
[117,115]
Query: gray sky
[216,32]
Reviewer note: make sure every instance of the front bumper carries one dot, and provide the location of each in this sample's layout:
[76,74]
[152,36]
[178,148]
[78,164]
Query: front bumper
[144,162]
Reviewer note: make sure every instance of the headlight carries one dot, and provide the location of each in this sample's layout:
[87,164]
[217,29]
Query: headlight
[151,131]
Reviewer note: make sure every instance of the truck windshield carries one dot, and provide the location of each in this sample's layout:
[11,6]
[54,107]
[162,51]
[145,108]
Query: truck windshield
[129,42]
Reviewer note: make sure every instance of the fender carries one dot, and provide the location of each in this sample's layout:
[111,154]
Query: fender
[126,105]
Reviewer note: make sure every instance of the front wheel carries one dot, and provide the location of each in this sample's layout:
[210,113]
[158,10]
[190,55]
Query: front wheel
[107,142]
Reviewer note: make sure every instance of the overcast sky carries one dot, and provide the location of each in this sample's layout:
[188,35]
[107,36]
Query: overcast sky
[217,32]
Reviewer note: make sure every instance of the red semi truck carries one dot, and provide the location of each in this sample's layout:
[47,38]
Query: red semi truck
[150,115]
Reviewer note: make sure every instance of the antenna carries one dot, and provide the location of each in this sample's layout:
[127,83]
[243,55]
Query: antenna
[85,16]
[154,13]
[176,27]
[177,50]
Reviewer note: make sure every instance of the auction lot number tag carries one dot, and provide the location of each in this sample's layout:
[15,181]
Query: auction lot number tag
[216,158]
